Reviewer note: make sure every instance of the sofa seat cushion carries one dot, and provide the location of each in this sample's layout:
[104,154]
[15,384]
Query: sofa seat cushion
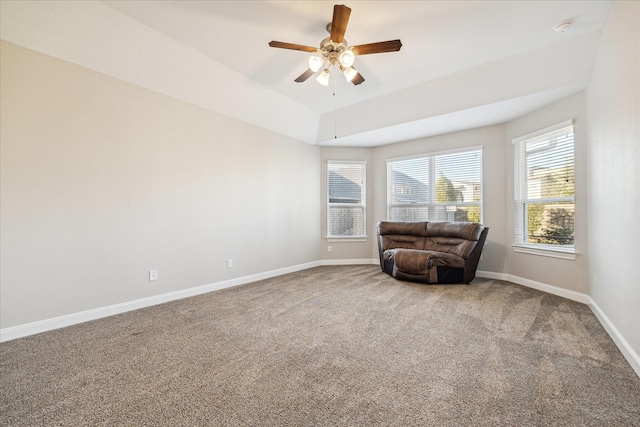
[418,262]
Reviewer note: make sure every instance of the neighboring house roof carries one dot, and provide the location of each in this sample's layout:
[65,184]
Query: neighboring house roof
[343,190]
[409,190]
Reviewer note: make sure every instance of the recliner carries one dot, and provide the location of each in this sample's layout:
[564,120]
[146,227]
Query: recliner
[431,252]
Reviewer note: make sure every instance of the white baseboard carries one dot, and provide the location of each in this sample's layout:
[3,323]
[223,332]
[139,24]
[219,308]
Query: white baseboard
[622,344]
[349,261]
[27,329]
[550,289]
[626,350]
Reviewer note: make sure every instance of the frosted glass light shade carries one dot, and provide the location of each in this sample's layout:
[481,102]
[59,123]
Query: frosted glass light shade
[349,73]
[347,58]
[323,77]
[315,63]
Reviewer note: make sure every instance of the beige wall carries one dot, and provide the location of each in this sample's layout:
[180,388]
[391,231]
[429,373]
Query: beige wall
[102,181]
[613,112]
[562,273]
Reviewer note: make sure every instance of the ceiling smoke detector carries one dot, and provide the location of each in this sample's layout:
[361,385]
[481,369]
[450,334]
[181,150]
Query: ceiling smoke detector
[563,26]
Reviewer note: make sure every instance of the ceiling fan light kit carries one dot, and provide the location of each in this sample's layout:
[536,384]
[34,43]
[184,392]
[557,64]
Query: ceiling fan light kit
[323,77]
[347,58]
[335,51]
[316,62]
[349,73]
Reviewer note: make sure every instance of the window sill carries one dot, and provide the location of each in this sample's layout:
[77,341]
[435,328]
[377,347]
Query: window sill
[347,239]
[546,251]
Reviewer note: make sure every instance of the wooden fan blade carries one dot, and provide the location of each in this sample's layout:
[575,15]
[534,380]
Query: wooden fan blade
[379,47]
[304,76]
[339,23]
[357,79]
[292,46]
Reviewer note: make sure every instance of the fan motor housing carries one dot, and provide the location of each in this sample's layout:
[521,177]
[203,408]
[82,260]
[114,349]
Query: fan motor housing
[331,50]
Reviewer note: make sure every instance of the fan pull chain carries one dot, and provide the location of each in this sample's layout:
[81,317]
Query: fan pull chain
[335,110]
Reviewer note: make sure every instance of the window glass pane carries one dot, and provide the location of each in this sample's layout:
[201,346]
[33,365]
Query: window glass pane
[445,187]
[550,223]
[410,181]
[545,188]
[346,220]
[346,207]
[467,213]
[345,184]
[550,170]
[408,213]
[459,177]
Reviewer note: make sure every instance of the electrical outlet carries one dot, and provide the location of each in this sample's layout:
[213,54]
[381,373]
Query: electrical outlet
[153,275]
[229,263]
[329,248]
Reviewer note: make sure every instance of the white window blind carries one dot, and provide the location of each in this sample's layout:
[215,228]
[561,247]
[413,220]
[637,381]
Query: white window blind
[545,188]
[436,187]
[346,209]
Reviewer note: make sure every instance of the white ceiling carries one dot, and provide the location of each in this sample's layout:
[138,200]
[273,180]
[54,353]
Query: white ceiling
[463,64]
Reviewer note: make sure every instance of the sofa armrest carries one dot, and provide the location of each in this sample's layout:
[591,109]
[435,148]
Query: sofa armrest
[474,258]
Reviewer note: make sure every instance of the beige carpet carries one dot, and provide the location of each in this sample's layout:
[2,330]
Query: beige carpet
[329,346]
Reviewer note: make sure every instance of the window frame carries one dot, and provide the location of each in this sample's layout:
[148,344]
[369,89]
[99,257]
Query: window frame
[432,203]
[362,205]
[520,235]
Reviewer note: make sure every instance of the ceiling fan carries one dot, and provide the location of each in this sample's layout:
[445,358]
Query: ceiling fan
[334,50]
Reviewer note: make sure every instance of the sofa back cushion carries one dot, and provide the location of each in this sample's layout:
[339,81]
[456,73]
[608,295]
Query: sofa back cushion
[404,235]
[458,238]
[450,245]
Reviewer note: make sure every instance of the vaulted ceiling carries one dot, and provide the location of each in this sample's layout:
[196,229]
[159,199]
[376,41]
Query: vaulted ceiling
[463,64]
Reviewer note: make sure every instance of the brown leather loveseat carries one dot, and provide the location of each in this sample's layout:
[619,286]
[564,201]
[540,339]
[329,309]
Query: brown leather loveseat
[431,252]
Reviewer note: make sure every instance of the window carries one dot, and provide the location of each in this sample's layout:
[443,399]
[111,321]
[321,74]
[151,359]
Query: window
[436,187]
[346,210]
[544,189]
